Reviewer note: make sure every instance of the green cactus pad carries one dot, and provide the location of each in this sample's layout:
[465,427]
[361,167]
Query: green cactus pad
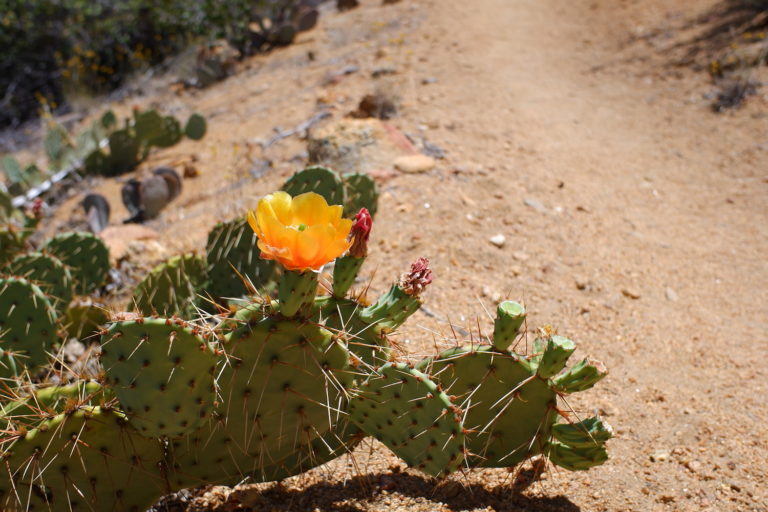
[406,410]
[90,459]
[97,163]
[171,288]
[123,152]
[170,134]
[587,433]
[11,243]
[232,250]
[510,410]
[320,180]
[49,273]
[296,291]
[580,376]
[162,372]
[576,459]
[555,355]
[361,192]
[510,317]
[366,342]
[340,441]
[345,271]
[84,319]
[391,309]
[195,127]
[27,326]
[87,257]
[282,388]
[45,403]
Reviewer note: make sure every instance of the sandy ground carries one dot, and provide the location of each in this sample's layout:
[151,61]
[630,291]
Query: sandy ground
[636,223]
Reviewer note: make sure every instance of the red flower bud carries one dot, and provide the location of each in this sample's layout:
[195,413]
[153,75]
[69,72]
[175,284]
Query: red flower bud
[360,232]
[418,278]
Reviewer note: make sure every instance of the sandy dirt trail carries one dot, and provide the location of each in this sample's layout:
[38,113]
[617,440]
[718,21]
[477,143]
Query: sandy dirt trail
[655,207]
[636,223]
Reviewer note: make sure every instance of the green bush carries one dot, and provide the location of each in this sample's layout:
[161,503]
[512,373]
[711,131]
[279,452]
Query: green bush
[48,45]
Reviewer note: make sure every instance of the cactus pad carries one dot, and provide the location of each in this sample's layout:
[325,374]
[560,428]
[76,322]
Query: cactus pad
[232,250]
[406,410]
[162,372]
[27,326]
[320,180]
[195,127]
[361,192]
[89,459]
[87,257]
[49,273]
[123,152]
[510,410]
[281,389]
[171,288]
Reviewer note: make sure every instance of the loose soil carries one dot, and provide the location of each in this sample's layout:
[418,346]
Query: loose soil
[636,223]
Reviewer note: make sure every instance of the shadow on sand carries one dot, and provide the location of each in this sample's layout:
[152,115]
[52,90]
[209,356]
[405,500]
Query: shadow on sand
[363,493]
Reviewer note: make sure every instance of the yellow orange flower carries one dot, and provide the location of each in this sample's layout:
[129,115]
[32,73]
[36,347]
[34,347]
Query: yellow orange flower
[300,233]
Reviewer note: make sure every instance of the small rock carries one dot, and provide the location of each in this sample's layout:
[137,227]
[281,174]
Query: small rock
[659,456]
[498,240]
[630,293]
[344,5]
[536,205]
[428,80]
[581,282]
[671,294]
[492,294]
[414,163]
[383,71]
[520,255]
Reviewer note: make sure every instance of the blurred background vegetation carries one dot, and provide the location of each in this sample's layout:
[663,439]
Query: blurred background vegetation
[48,47]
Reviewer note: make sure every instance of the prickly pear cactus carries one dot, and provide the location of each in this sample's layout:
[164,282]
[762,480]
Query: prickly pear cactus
[320,180]
[408,412]
[172,288]
[27,326]
[49,273]
[86,256]
[232,256]
[162,372]
[85,459]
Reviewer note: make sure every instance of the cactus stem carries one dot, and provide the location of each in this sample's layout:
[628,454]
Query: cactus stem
[297,291]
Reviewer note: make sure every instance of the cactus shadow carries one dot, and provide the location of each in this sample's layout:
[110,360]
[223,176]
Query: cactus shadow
[355,494]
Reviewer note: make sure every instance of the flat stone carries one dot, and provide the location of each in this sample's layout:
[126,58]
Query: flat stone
[414,163]
[498,240]
[535,204]
[671,294]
